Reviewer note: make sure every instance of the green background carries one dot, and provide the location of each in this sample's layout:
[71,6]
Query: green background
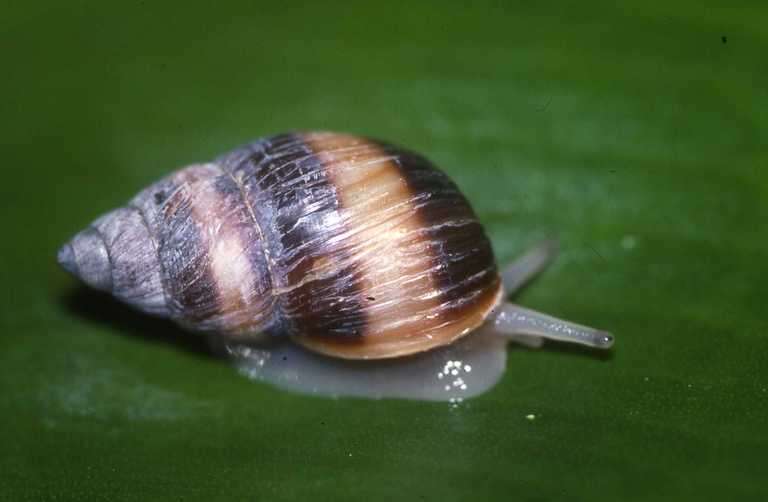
[635,134]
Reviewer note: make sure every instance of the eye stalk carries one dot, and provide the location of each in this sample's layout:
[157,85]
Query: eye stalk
[513,320]
[604,341]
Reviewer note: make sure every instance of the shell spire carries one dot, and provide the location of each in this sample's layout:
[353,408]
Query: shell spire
[115,254]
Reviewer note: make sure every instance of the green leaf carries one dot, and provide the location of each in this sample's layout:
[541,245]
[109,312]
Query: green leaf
[636,134]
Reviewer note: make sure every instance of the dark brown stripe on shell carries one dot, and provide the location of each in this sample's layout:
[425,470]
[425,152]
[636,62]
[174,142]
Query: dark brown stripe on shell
[296,203]
[464,269]
[381,240]
[238,261]
[148,204]
[372,251]
[184,251]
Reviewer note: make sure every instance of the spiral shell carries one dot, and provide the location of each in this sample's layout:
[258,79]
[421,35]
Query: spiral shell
[353,247]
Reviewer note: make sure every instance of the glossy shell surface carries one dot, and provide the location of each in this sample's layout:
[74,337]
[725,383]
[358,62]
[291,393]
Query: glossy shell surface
[353,247]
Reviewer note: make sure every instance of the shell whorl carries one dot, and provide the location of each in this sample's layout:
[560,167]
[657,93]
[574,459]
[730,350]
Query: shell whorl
[355,248]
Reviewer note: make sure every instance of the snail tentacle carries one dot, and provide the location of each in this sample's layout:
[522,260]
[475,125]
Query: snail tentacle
[521,271]
[521,324]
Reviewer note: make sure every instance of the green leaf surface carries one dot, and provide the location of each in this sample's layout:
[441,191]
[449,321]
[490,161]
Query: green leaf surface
[637,134]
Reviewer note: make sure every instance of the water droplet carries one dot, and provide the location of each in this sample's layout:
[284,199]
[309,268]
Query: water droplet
[629,242]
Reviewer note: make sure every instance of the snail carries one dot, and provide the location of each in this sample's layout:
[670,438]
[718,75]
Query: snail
[325,263]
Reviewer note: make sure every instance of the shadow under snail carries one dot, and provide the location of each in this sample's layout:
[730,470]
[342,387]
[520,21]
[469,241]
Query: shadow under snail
[323,263]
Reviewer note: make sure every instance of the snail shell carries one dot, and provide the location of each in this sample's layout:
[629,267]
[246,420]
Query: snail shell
[352,247]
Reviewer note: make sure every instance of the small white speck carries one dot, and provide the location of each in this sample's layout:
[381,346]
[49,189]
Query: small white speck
[530,417]
[629,242]
[645,379]
[467,368]
[463,386]
[447,387]
[350,454]
[690,385]
[440,375]
[454,372]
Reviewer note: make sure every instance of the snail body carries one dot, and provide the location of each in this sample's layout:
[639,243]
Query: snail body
[346,246]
